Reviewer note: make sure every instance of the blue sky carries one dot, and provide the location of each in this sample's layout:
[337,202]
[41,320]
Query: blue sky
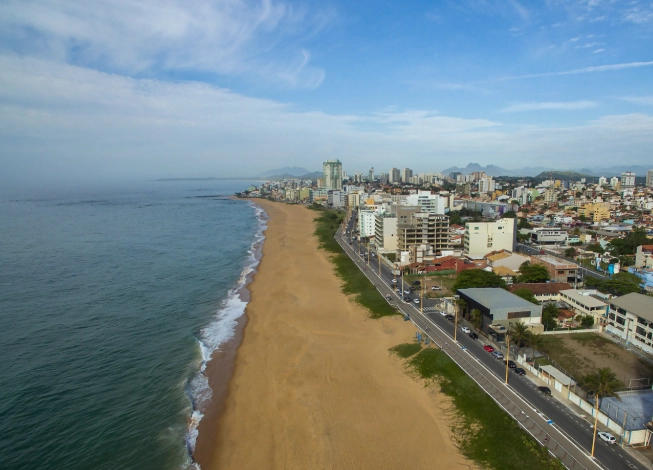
[147,89]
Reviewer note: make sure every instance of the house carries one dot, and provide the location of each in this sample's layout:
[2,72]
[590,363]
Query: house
[585,302]
[560,270]
[544,291]
[646,275]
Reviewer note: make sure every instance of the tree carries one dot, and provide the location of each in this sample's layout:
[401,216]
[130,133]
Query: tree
[523,223]
[478,278]
[550,315]
[602,383]
[535,342]
[620,284]
[476,318]
[526,294]
[519,335]
[596,248]
[570,252]
[587,321]
[510,215]
[532,273]
[628,245]
[582,218]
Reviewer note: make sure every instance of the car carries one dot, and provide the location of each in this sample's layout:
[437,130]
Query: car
[488,348]
[607,437]
[416,283]
[374,254]
[397,289]
[394,281]
[416,301]
[464,329]
[519,371]
[407,299]
[512,365]
[443,313]
[545,390]
[388,297]
[473,335]
[436,288]
[497,354]
[406,291]
[449,317]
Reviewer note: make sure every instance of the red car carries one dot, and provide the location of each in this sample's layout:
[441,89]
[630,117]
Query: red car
[488,348]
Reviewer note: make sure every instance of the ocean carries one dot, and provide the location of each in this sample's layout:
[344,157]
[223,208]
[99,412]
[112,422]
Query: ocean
[111,302]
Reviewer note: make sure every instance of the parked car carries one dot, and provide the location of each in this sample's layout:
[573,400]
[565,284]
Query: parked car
[416,301]
[406,291]
[416,283]
[464,329]
[436,288]
[443,313]
[512,365]
[607,437]
[473,335]
[488,348]
[397,289]
[407,299]
[394,281]
[545,390]
[519,371]
[497,354]
[449,317]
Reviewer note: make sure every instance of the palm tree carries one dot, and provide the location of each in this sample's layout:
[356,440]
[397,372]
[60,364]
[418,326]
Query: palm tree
[602,383]
[535,342]
[519,334]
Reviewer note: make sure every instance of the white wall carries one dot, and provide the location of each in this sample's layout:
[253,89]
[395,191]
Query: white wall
[483,237]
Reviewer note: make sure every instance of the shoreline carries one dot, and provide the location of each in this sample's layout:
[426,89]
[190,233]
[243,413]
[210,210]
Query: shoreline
[313,384]
[220,367]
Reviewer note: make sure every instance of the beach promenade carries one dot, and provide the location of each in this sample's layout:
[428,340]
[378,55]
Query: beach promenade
[314,385]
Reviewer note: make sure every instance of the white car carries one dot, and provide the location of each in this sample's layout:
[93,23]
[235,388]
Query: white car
[416,301]
[394,281]
[406,291]
[443,313]
[607,437]
[436,288]
[464,329]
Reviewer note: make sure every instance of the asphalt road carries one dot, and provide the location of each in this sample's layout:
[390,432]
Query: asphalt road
[570,437]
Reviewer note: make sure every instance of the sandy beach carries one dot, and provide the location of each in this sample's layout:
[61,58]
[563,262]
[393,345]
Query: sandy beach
[314,386]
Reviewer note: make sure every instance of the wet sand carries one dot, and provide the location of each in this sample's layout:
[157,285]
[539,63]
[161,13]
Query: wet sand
[313,384]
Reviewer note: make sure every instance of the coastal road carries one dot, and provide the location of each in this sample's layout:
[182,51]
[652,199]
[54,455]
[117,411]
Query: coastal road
[570,435]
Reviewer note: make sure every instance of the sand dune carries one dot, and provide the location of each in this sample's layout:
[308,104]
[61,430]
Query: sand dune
[314,386]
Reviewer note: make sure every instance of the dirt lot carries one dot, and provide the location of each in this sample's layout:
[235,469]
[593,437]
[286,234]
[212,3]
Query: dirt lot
[583,353]
[445,281]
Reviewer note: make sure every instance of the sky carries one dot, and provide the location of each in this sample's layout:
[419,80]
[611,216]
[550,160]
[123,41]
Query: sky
[176,88]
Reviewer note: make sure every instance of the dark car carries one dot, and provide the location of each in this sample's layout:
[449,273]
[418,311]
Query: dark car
[519,371]
[449,317]
[416,283]
[407,299]
[512,365]
[473,335]
[545,390]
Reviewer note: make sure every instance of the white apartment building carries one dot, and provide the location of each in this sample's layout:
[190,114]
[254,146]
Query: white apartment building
[394,176]
[366,223]
[431,203]
[627,180]
[406,174]
[549,235]
[385,232]
[614,182]
[603,181]
[337,198]
[486,185]
[583,302]
[483,237]
[631,318]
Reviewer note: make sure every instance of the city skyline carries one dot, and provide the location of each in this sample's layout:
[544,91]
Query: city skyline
[152,90]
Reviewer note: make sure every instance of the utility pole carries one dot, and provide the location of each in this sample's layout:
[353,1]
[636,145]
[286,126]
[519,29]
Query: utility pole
[378,255]
[421,298]
[455,321]
[507,354]
[368,252]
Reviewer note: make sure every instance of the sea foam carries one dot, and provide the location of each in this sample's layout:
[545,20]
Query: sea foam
[221,329]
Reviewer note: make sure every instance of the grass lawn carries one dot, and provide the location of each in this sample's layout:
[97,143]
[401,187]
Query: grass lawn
[354,281]
[484,432]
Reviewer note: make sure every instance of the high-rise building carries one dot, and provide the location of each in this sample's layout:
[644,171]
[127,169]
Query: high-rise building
[627,180]
[406,174]
[423,228]
[649,178]
[483,237]
[358,177]
[431,203]
[383,178]
[603,181]
[333,174]
[370,176]
[394,175]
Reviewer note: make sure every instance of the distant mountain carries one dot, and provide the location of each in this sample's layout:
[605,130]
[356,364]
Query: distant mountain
[493,170]
[564,175]
[288,172]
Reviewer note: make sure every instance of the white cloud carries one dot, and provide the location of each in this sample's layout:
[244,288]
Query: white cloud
[57,120]
[561,106]
[645,100]
[595,69]
[231,37]
[599,50]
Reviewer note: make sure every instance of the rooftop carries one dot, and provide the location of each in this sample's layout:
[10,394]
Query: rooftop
[496,298]
[586,300]
[541,288]
[638,304]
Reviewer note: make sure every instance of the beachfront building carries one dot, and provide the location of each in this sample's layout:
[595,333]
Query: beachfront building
[366,223]
[332,174]
[585,302]
[385,232]
[560,270]
[482,238]
[499,308]
[630,317]
[417,228]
